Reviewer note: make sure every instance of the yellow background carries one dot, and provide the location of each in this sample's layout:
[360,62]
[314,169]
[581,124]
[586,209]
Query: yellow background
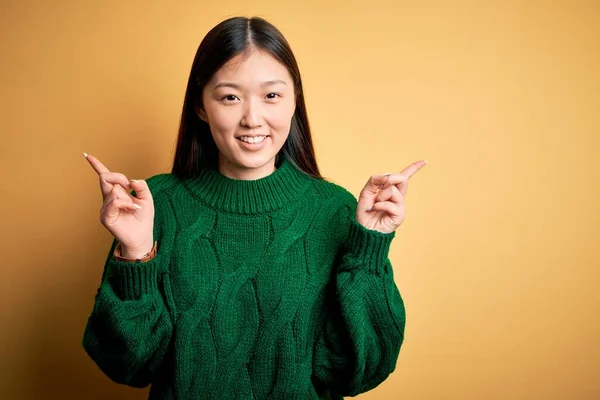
[498,259]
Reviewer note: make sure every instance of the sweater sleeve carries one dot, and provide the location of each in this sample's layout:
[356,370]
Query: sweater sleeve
[363,329]
[129,329]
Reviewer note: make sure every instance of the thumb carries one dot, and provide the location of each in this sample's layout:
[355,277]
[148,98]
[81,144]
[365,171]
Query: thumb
[374,184]
[142,191]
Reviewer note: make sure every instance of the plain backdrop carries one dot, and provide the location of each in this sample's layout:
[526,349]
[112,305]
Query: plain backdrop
[498,259]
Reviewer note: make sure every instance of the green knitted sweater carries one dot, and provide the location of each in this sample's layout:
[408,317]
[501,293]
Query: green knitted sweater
[260,289]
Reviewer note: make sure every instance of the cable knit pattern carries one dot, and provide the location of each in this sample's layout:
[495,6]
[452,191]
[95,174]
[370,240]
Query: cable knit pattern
[262,289]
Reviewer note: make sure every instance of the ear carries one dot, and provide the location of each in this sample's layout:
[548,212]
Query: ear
[201,113]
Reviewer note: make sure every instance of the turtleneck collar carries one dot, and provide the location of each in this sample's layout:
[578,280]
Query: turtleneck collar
[270,193]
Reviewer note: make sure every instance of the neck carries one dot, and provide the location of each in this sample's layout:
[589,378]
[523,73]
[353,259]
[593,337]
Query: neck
[232,171]
[281,188]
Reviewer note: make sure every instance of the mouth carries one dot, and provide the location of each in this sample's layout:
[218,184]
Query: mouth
[252,139]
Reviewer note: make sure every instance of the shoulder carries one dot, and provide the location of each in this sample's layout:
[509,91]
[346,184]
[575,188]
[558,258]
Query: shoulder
[334,193]
[336,207]
[160,183]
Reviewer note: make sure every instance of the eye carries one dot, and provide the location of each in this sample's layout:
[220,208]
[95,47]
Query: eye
[229,97]
[276,94]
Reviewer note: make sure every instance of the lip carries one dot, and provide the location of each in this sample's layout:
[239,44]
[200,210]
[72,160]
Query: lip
[253,146]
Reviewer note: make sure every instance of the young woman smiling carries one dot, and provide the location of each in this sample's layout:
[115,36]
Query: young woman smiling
[243,274]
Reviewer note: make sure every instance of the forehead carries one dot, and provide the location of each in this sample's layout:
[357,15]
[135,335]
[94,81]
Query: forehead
[252,69]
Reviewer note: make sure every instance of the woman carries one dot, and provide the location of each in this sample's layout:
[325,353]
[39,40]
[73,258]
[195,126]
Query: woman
[243,274]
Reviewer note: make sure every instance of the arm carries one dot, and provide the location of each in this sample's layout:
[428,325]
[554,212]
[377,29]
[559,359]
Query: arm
[129,330]
[365,317]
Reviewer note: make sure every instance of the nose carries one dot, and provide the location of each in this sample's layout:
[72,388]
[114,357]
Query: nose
[252,115]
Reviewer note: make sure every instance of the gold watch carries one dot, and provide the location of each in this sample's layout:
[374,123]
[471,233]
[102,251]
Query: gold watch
[146,257]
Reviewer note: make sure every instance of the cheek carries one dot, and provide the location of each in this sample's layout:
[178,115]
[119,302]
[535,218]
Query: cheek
[222,120]
[282,119]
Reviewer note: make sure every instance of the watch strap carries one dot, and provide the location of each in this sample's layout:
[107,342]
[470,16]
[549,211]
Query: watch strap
[145,258]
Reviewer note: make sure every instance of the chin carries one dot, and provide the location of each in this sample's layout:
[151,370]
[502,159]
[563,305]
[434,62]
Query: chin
[254,161]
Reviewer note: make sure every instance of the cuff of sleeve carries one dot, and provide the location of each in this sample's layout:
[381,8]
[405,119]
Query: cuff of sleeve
[133,280]
[368,246]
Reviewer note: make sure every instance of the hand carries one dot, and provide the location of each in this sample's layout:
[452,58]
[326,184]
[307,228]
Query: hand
[381,204]
[129,219]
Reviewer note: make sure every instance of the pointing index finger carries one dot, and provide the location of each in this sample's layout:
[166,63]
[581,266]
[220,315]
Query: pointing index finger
[412,168]
[96,164]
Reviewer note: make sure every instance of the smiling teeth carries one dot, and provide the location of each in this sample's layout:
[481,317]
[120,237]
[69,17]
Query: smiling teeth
[256,139]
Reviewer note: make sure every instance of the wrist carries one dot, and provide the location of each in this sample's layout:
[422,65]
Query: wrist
[133,253]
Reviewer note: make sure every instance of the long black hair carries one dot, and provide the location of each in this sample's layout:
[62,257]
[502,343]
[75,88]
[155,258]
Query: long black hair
[196,148]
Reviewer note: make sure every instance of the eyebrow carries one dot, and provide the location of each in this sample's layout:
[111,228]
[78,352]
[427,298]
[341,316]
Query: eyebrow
[236,86]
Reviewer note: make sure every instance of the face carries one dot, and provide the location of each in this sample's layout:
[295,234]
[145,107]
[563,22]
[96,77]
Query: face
[249,105]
